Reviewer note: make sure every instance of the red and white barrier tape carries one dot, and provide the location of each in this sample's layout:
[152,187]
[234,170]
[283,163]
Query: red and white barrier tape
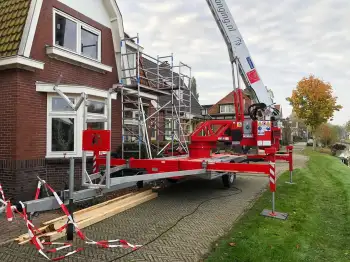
[107,244]
[37,193]
[2,193]
[40,245]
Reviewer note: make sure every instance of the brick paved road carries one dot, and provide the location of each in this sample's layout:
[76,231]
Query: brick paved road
[188,241]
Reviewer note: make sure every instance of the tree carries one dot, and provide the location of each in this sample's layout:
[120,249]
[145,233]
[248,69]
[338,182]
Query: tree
[347,126]
[194,88]
[313,102]
[327,134]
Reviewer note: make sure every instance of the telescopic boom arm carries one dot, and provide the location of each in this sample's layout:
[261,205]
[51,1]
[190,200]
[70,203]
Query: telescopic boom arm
[239,53]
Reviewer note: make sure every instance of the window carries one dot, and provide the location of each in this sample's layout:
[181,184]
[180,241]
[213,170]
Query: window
[65,126]
[168,129]
[62,122]
[76,36]
[226,109]
[96,109]
[131,61]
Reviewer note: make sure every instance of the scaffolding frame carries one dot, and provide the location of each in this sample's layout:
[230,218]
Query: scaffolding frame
[162,80]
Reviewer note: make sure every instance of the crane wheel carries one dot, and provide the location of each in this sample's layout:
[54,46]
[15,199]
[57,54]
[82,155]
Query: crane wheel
[229,179]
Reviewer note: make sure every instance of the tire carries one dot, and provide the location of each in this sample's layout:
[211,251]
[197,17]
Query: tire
[139,184]
[172,181]
[228,179]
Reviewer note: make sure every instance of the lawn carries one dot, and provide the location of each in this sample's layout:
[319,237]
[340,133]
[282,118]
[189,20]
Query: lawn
[318,226]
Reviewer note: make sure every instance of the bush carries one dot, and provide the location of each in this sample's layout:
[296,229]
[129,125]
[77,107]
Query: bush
[324,151]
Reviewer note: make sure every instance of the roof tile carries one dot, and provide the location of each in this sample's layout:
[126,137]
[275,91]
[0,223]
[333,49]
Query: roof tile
[13,15]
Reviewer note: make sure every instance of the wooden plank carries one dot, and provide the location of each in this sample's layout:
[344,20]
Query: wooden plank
[91,208]
[101,209]
[102,215]
[84,214]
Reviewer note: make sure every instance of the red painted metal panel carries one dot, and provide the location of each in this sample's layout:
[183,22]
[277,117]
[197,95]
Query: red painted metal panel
[96,140]
[155,165]
[237,167]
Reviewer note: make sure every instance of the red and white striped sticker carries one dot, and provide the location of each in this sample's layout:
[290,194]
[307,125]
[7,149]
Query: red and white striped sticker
[272,177]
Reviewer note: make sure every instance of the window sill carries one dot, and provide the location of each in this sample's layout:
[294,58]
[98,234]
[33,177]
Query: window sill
[61,156]
[69,57]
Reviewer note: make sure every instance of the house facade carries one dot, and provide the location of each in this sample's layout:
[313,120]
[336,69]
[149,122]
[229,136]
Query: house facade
[76,46]
[224,108]
[78,40]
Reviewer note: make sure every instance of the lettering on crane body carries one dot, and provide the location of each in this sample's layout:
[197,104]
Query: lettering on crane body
[225,19]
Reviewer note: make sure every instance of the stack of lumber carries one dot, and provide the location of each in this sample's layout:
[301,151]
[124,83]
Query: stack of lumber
[91,215]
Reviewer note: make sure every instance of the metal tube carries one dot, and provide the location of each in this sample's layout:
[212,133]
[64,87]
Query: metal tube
[172,106]
[109,127]
[71,178]
[83,180]
[69,231]
[158,110]
[138,96]
[273,202]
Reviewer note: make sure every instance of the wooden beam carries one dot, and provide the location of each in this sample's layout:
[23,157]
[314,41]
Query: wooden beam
[91,215]
[90,208]
[101,216]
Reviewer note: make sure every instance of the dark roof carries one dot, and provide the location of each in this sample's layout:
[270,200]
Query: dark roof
[150,68]
[207,106]
[13,15]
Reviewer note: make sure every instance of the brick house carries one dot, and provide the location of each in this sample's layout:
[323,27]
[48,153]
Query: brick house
[39,40]
[224,108]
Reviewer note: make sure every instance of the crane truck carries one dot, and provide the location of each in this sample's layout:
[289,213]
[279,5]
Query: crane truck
[260,130]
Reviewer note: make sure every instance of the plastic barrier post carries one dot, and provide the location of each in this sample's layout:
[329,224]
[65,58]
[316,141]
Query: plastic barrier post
[272,176]
[290,161]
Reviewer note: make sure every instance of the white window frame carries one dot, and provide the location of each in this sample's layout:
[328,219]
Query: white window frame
[80,25]
[63,114]
[131,58]
[225,106]
[78,125]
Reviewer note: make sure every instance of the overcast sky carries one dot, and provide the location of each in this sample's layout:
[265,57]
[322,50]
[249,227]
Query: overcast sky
[287,40]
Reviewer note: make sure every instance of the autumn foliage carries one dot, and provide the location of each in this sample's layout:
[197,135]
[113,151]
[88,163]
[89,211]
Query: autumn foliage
[313,101]
[327,134]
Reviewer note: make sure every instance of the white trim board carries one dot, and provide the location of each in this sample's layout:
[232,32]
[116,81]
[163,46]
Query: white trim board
[131,92]
[30,28]
[73,89]
[76,59]
[21,61]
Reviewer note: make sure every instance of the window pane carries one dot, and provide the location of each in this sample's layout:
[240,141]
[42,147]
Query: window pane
[59,104]
[66,33]
[62,134]
[96,107]
[89,44]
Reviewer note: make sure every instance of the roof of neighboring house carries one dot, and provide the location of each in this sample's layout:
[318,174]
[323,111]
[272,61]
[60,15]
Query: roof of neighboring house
[13,15]
[207,106]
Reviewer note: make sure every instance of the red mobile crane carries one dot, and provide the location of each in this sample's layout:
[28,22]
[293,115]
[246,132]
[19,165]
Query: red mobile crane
[260,130]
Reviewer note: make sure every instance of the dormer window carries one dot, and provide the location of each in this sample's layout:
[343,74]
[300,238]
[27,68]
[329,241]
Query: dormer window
[76,36]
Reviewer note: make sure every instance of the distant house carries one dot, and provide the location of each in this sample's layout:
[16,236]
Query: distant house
[224,108]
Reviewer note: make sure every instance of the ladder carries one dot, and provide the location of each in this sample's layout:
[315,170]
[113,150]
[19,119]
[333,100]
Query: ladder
[134,126]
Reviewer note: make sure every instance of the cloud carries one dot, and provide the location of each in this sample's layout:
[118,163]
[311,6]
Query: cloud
[287,41]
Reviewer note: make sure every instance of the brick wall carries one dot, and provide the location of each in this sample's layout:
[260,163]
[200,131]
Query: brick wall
[24,110]
[228,99]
